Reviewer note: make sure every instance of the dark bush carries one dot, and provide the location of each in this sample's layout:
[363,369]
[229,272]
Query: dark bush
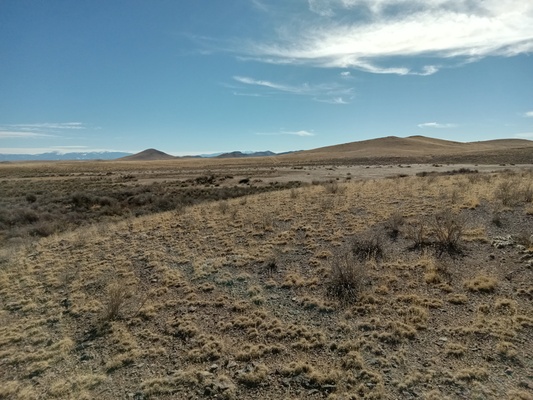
[369,248]
[448,229]
[393,224]
[82,200]
[346,278]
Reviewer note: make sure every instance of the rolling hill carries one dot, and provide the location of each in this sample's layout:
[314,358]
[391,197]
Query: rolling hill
[148,155]
[422,149]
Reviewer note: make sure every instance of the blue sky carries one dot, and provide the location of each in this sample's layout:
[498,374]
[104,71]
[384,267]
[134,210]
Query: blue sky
[201,76]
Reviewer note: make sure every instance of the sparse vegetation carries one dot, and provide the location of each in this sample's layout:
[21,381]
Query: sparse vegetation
[302,293]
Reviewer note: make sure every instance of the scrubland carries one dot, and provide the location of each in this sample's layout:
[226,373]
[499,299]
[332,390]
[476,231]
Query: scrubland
[399,288]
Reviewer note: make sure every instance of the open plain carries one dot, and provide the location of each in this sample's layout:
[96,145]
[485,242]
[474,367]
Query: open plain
[293,277]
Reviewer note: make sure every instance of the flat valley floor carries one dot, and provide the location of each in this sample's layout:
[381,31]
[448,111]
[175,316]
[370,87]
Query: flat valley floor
[264,281]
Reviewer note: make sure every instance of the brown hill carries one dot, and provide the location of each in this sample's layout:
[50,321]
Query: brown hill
[417,148]
[148,155]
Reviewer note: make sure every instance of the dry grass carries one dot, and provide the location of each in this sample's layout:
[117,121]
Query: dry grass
[264,298]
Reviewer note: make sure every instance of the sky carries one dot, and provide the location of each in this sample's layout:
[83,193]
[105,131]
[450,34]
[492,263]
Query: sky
[205,76]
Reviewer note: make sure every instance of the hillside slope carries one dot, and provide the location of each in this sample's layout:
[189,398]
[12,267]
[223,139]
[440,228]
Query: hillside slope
[148,155]
[419,147]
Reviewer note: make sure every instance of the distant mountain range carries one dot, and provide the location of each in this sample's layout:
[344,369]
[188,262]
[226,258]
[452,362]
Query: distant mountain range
[153,154]
[239,154]
[149,154]
[415,148]
[93,155]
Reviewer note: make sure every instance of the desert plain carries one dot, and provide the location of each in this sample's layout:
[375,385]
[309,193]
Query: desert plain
[386,269]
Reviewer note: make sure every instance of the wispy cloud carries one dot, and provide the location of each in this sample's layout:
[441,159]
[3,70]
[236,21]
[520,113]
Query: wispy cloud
[55,149]
[259,5]
[5,134]
[248,94]
[334,100]
[302,133]
[38,130]
[436,125]
[277,86]
[51,126]
[330,93]
[528,114]
[377,35]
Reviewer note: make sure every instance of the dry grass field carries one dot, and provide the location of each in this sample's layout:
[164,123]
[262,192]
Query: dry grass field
[398,286]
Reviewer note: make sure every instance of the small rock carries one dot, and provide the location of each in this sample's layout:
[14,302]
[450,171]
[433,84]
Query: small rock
[231,364]
[443,339]
[213,367]
[508,371]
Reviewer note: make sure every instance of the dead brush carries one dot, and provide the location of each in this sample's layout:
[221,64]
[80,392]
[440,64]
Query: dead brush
[117,296]
[331,187]
[346,278]
[448,229]
[393,224]
[120,300]
[368,248]
[417,232]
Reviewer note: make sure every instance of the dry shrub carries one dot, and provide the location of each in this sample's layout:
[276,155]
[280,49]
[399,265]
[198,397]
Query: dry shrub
[331,187]
[482,283]
[254,377]
[117,296]
[346,278]
[393,224]
[417,232]
[369,248]
[448,229]
[223,206]
[510,193]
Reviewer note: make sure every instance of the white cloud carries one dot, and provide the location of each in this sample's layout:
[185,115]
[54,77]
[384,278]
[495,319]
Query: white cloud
[334,100]
[247,94]
[331,93]
[298,133]
[51,126]
[54,149]
[436,125]
[372,31]
[39,130]
[272,85]
[5,134]
[301,133]
[346,74]
[528,114]
[259,5]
